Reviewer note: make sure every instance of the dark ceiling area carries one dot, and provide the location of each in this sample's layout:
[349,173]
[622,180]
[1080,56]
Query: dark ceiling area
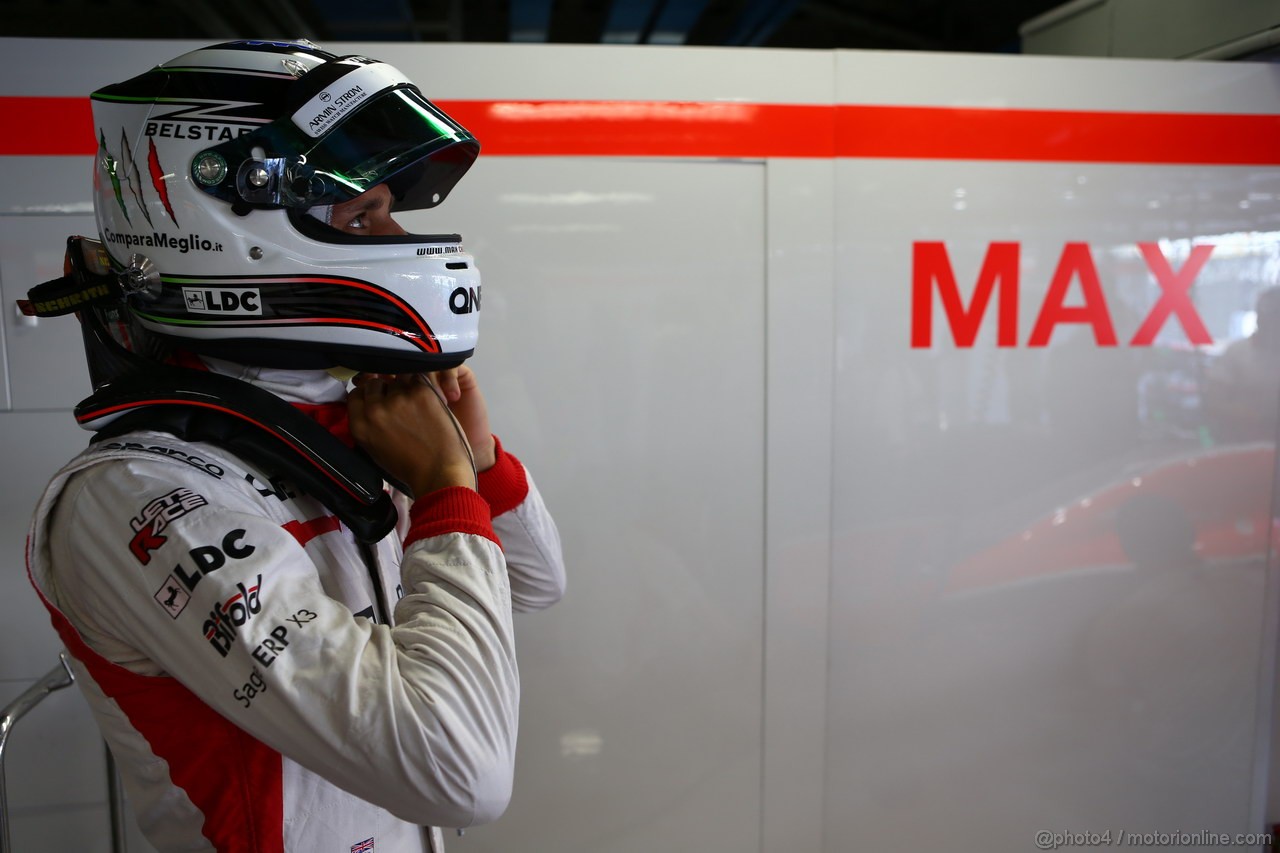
[984,26]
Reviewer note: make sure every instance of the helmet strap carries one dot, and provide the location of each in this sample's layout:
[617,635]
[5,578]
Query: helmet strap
[88,282]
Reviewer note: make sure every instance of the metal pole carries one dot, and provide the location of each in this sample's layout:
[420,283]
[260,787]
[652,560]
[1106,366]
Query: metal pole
[56,679]
[115,799]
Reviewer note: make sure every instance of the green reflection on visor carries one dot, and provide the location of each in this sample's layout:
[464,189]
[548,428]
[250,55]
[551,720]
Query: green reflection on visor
[396,137]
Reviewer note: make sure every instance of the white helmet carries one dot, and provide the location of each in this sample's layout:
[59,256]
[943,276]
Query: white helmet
[207,167]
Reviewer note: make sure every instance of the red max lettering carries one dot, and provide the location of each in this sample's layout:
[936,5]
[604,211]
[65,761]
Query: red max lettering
[999,270]
[931,266]
[1175,296]
[1076,263]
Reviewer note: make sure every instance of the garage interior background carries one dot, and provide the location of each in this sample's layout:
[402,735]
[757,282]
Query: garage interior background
[1172,29]
[868,668]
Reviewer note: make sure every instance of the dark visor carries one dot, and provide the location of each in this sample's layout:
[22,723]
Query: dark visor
[397,137]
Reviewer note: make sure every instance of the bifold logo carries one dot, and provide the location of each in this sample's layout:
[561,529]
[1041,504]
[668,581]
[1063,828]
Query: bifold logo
[236,302]
[931,267]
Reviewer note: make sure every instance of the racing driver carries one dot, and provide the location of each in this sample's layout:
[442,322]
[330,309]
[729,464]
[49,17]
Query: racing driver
[281,654]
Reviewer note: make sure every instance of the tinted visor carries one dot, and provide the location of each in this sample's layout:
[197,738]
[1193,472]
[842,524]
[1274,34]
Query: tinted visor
[396,137]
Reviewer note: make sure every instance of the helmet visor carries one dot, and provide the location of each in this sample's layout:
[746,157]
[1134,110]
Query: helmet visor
[395,137]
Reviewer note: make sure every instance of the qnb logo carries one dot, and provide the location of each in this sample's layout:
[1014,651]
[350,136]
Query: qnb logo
[464,300]
[931,266]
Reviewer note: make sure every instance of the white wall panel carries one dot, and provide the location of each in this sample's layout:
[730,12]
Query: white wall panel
[1054,83]
[985,686]
[45,356]
[605,72]
[45,186]
[622,353]
[798,507]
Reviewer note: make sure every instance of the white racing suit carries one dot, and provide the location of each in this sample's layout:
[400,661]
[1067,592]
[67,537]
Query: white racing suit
[264,683]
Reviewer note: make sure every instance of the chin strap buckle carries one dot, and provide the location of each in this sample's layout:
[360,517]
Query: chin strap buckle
[87,280]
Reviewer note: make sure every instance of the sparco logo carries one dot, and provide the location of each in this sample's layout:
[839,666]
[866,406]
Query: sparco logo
[173,453]
[156,516]
[336,108]
[237,302]
[225,620]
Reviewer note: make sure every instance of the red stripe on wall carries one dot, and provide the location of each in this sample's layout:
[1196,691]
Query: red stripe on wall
[712,129]
[647,128]
[953,133]
[49,126]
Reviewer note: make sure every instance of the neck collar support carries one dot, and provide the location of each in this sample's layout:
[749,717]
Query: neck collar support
[259,427]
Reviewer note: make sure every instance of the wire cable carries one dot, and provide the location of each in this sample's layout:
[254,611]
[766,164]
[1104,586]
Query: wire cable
[457,427]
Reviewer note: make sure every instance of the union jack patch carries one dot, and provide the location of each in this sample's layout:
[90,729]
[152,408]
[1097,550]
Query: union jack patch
[365,846]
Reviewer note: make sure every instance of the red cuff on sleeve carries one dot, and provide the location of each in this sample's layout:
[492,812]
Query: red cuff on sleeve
[452,510]
[505,485]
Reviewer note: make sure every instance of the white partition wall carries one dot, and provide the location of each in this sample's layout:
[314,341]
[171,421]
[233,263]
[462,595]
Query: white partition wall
[882,403]
[644,690]
[1049,548]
